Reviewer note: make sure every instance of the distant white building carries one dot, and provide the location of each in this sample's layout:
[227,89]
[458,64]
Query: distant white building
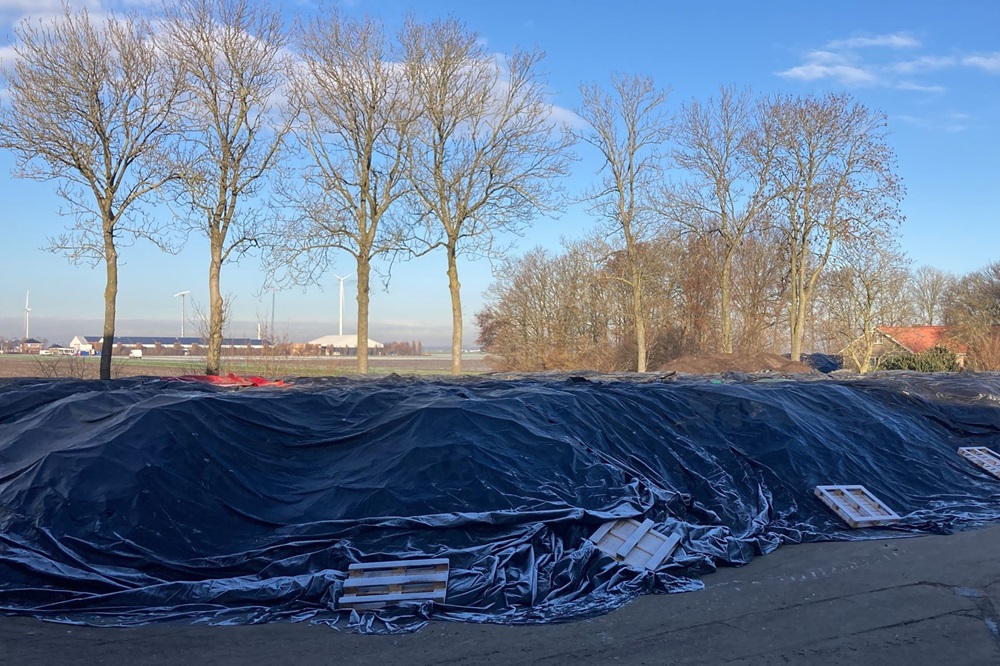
[92,344]
[331,345]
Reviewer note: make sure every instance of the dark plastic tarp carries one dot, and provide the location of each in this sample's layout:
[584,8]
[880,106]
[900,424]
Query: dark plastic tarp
[144,500]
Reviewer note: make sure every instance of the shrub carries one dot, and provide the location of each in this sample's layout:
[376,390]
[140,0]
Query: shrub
[936,359]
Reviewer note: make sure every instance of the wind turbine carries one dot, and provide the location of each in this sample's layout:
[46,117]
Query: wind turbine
[340,330]
[183,295]
[27,314]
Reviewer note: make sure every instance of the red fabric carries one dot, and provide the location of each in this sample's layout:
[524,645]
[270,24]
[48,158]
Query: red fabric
[229,380]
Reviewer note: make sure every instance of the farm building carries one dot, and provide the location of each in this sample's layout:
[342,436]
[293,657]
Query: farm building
[342,345]
[894,340]
[31,346]
[86,345]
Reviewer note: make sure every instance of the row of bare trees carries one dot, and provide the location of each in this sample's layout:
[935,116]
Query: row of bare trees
[123,113]
[414,143]
[717,221]
[395,144]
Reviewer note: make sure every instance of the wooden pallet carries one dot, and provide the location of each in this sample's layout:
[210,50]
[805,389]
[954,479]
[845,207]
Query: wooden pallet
[635,544]
[983,457]
[378,584]
[857,506]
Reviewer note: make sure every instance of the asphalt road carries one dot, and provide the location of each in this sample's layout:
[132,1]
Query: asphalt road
[926,600]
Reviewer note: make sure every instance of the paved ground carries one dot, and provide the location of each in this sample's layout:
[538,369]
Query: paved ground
[927,600]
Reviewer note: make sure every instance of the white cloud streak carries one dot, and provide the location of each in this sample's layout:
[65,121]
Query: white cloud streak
[896,40]
[916,87]
[925,64]
[951,122]
[829,65]
[988,63]
[845,74]
[852,63]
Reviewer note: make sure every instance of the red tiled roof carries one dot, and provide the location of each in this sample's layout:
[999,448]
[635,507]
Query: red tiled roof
[917,339]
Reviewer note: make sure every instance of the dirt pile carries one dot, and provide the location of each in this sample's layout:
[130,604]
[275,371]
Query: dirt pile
[710,364]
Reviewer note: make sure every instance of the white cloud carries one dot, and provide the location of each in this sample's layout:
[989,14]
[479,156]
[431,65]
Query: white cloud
[829,65]
[951,122]
[852,62]
[563,116]
[843,73]
[827,57]
[916,87]
[13,12]
[44,7]
[987,63]
[925,64]
[896,40]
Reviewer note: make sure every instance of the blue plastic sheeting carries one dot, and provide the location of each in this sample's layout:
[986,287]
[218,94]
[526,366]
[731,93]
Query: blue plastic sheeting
[144,500]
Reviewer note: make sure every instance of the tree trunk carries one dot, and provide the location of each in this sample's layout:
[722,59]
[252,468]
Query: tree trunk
[796,307]
[216,312]
[110,298]
[640,320]
[865,365]
[725,304]
[456,310]
[364,272]
[797,314]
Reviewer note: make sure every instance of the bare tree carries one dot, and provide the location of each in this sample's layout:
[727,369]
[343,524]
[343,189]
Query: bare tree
[232,55]
[573,310]
[487,149]
[628,126]
[356,117]
[973,311]
[835,171]
[519,325]
[928,286]
[201,317]
[547,312]
[759,292]
[865,289]
[727,155]
[91,104]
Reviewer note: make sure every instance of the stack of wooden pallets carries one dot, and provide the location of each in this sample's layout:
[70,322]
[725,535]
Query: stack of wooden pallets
[378,584]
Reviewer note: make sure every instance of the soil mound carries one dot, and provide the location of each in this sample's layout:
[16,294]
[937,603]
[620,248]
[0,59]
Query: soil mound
[710,364]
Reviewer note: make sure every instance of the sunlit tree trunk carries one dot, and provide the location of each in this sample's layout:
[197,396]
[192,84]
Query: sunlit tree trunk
[455,290]
[364,277]
[110,299]
[213,359]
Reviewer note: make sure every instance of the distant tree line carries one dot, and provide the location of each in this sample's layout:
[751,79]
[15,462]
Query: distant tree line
[567,310]
[412,348]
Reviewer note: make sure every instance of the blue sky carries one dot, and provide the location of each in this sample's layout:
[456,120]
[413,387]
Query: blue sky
[934,68]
